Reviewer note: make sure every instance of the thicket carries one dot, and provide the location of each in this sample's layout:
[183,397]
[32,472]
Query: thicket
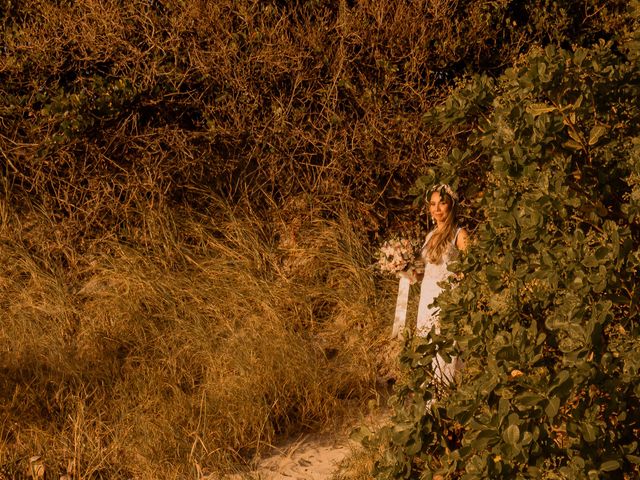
[189,190]
[546,317]
[111,106]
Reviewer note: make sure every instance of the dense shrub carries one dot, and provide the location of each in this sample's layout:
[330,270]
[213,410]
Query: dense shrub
[111,106]
[546,317]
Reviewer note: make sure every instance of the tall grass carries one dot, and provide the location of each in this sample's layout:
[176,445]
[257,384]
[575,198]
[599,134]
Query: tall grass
[184,352]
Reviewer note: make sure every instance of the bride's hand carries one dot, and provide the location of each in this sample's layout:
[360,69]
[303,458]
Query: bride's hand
[410,274]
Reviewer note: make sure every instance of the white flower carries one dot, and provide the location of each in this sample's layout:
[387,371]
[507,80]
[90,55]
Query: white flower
[397,255]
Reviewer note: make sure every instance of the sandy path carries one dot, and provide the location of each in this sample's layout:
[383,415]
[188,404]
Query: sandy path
[309,457]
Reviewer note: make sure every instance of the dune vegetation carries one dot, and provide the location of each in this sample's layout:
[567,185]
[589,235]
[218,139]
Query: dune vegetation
[191,353]
[191,198]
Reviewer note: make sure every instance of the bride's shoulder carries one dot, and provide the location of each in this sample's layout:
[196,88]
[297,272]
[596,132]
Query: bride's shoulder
[462,239]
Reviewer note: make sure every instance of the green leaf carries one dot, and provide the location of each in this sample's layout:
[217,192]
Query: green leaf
[511,435]
[536,109]
[401,435]
[579,56]
[561,384]
[610,466]
[590,261]
[476,464]
[529,399]
[484,438]
[589,432]
[573,145]
[592,474]
[551,234]
[575,136]
[595,134]
[413,446]
[360,434]
[503,407]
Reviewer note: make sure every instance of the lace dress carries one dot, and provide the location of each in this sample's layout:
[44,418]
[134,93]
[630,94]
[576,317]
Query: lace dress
[428,313]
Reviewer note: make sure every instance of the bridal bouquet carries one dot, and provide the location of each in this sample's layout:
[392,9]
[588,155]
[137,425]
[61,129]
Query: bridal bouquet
[398,255]
[401,256]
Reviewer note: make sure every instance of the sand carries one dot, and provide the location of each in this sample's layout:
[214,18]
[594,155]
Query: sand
[313,456]
[309,457]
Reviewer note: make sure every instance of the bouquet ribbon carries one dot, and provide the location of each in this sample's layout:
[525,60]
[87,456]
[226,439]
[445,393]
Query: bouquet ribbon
[401,307]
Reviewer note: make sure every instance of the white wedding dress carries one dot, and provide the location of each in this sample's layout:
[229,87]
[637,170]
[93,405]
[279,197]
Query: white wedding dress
[428,313]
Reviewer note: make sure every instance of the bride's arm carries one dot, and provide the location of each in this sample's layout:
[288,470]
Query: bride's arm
[462,242]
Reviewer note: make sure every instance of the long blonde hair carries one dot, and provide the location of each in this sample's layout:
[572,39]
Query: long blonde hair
[441,239]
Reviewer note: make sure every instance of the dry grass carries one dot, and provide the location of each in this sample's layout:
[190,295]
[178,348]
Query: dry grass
[152,331]
[164,359]
[107,106]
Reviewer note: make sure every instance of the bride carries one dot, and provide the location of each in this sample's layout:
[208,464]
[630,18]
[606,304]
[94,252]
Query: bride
[441,246]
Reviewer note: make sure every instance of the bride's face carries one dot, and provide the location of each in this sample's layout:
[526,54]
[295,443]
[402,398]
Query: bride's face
[439,208]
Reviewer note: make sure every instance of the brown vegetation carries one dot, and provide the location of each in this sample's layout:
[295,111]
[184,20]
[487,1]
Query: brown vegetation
[188,354]
[111,107]
[151,329]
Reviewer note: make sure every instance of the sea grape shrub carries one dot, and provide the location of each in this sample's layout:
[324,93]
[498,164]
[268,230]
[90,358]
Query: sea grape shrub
[546,315]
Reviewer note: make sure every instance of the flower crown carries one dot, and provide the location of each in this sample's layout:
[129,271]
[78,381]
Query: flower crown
[443,187]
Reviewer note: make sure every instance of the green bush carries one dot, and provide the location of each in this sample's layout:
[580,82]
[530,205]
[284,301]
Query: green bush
[546,317]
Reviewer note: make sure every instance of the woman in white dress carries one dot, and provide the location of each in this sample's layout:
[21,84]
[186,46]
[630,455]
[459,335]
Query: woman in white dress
[441,246]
